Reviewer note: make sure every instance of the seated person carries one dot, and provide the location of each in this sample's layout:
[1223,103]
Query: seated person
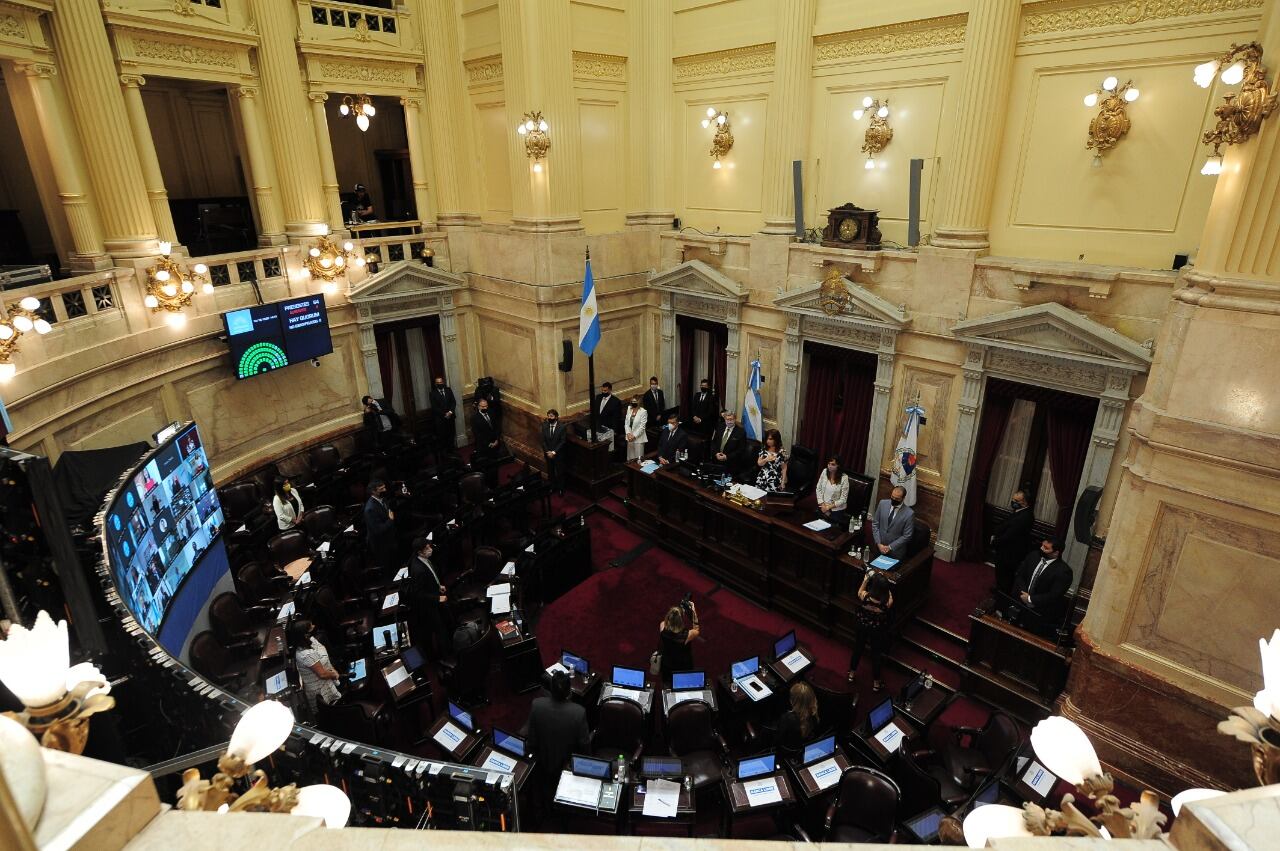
[556,729]
[673,440]
[892,524]
[1043,581]
[832,492]
[799,723]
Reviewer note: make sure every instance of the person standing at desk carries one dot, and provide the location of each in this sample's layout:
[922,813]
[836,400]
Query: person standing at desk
[875,599]
[444,409]
[287,504]
[315,672]
[554,435]
[380,525]
[486,433]
[675,634]
[772,462]
[655,401]
[892,524]
[1011,542]
[609,410]
[1043,581]
[673,440]
[428,598]
[633,429]
[798,724]
[832,492]
[556,729]
[705,408]
[727,442]
[362,206]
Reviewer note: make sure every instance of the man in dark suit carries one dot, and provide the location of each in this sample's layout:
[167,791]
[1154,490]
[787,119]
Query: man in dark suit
[609,413]
[654,401]
[444,408]
[553,439]
[1011,541]
[557,728]
[727,443]
[672,441]
[380,525]
[487,436]
[381,423]
[428,598]
[892,525]
[706,408]
[1043,581]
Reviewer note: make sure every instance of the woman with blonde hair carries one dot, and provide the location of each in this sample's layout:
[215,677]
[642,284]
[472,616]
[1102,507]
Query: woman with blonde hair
[678,628]
[799,723]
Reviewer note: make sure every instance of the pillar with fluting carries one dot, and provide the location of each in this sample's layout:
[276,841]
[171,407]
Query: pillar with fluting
[261,170]
[649,36]
[288,119]
[972,157]
[142,140]
[450,129]
[102,120]
[87,250]
[328,171]
[417,159]
[786,136]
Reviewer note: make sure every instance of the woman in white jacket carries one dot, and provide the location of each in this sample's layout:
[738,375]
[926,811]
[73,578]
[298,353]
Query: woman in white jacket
[633,427]
[287,503]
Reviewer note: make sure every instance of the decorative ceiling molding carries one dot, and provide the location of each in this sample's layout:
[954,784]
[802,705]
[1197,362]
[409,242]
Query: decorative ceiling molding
[485,70]
[599,66]
[1050,330]
[739,60]
[929,33]
[693,277]
[1060,16]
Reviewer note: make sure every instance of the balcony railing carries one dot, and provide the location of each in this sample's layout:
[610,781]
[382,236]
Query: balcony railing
[331,21]
[69,299]
[394,249]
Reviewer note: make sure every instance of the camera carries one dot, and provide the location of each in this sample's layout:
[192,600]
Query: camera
[315,362]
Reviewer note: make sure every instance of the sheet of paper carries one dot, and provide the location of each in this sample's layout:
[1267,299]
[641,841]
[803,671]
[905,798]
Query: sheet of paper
[495,590]
[449,736]
[818,525]
[429,535]
[661,798]
[317,738]
[529,548]
[305,578]
[628,693]
[795,660]
[675,697]
[890,736]
[436,768]
[498,762]
[401,574]
[557,667]
[392,600]
[286,611]
[755,689]
[583,791]
[509,569]
[399,761]
[501,605]
[410,765]
[762,791]
[750,491]
[649,467]
[1039,778]
[398,675]
[826,773]
[348,748]
[243,528]
[351,528]
[323,548]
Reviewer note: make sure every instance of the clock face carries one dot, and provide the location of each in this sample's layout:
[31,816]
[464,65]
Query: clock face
[848,230]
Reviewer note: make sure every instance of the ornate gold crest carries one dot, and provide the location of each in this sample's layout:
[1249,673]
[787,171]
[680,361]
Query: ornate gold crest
[834,297]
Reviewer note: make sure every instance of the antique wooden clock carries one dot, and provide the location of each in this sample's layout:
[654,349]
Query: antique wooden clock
[850,226]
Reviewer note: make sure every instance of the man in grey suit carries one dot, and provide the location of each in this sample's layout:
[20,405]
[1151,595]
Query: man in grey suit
[892,523]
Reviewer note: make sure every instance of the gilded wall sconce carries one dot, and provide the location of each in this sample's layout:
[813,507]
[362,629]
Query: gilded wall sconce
[1240,114]
[1112,121]
[21,318]
[170,286]
[879,134]
[537,142]
[722,142]
[326,261]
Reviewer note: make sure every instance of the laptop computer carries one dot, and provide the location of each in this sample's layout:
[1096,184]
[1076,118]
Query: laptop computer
[744,674]
[589,766]
[277,683]
[688,680]
[788,659]
[661,766]
[413,659]
[1034,782]
[575,663]
[508,743]
[924,827]
[756,766]
[398,679]
[988,794]
[884,731]
[818,750]
[357,671]
[784,645]
[462,718]
[627,677]
[387,637]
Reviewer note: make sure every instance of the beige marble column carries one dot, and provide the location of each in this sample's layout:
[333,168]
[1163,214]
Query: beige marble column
[417,159]
[972,156]
[328,171]
[450,127]
[146,146]
[288,120]
[262,170]
[649,32]
[87,251]
[102,121]
[787,133]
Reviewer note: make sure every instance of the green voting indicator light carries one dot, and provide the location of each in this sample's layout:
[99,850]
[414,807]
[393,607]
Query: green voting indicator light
[261,357]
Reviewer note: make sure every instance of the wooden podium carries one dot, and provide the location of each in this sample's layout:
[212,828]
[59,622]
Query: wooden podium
[591,469]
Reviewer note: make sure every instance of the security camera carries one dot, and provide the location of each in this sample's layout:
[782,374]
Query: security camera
[315,362]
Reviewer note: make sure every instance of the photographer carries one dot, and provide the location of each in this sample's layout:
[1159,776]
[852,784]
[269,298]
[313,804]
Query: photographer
[676,631]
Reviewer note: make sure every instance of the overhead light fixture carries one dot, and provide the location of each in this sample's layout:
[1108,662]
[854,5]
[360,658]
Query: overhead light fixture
[1240,115]
[537,141]
[1259,725]
[327,261]
[170,286]
[1111,123]
[20,319]
[359,107]
[879,134]
[722,141]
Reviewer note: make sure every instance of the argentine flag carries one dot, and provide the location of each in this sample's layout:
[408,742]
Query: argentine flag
[904,455]
[588,315]
[752,419]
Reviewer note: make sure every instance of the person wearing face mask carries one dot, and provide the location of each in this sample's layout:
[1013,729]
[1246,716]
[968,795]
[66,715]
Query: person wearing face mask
[444,409]
[1011,541]
[287,503]
[832,492]
[553,438]
[891,524]
[633,429]
[727,443]
[655,401]
[429,598]
[1043,581]
[609,413]
[380,525]
[673,440]
[705,408]
[316,673]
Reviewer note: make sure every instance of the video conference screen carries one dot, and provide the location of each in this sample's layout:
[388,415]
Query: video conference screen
[272,336]
[164,523]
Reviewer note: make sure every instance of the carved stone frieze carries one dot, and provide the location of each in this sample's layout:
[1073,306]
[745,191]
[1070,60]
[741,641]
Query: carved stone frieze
[364,72]
[1037,369]
[487,70]
[843,333]
[185,53]
[1069,15]
[707,307]
[699,66]
[599,66]
[896,38]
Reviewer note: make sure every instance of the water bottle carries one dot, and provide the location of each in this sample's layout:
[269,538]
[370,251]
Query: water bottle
[688,784]
[866,554]
[928,680]
[519,619]
[620,776]
[857,523]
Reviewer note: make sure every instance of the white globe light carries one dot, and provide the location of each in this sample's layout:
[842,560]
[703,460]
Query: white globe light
[543,126]
[1186,796]
[166,248]
[520,129]
[1212,165]
[34,662]
[362,121]
[994,821]
[869,164]
[1110,84]
[1091,99]
[348,246]
[706,122]
[326,262]
[1065,750]
[5,332]
[262,729]
[207,288]
[721,119]
[162,275]
[7,371]
[359,262]
[176,320]
[1204,73]
[43,327]
[188,287]
[716,164]
[314,252]
[151,301]
[711,112]
[30,303]
[23,324]
[339,261]
[857,114]
[170,290]
[883,112]
[201,269]
[537,168]
[369,110]
[323,801]
[1131,95]
[866,102]
[528,124]
[344,109]
[1234,74]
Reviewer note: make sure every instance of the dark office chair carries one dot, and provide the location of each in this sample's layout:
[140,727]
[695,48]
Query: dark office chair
[234,623]
[486,567]
[325,461]
[802,469]
[920,789]
[836,711]
[471,489]
[221,666]
[359,582]
[289,546]
[320,522]
[348,615]
[262,586]
[620,729]
[865,808]
[358,721]
[466,678]
[241,502]
[692,736]
[960,769]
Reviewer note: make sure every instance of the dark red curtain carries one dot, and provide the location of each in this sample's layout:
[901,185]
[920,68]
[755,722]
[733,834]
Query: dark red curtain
[995,416]
[1069,433]
[716,357]
[435,350]
[719,360]
[837,404]
[683,388]
[385,341]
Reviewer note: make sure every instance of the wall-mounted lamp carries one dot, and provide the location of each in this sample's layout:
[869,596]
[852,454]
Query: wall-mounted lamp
[326,261]
[722,142]
[1112,122]
[879,134]
[1240,114]
[22,317]
[170,286]
[359,107]
[537,142]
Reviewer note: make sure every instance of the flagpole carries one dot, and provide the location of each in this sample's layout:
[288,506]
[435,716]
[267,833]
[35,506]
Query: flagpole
[591,384]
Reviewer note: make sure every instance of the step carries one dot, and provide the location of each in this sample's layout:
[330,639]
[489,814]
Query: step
[953,651]
[942,631]
[933,660]
[914,660]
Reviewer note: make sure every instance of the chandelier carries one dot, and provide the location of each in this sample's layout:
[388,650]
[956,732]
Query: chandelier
[170,286]
[360,107]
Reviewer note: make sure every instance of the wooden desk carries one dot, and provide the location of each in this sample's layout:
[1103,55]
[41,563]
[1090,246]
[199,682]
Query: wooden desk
[807,786]
[872,745]
[785,675]
[736,797]
[460,751]
[274,646]
[926,706]
[1013,665]
[740,701]
[297,567]
[686,808]
[521,771]
[589,465]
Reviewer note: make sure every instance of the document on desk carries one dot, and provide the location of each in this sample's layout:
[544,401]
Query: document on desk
[286,611]
[884,562]
[649,467]
[755,689]
[628,693]
[349,529]
[498,762]
[762,791]
[826,773]
[556,667]
[509,569]
[795,661]
[583,791]
[401,575]
[890,736]
[392,600]
[529,548]
[430,535]
[449,736]
[818,525]
[323,548]
[750,492]
[501,604]
[661,798]
[305,578]
[495,590]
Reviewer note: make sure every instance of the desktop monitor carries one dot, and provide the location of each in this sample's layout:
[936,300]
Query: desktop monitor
[745,668]
[277,683]
[463,718]
[628,677]
[689,680]
[821,749]
[397,677]
[661,766]
[880,715]
[413,659]
[784,645]
[754,766]
[574,663]
[386,636]
[508,743]
[357,671]
[586,766]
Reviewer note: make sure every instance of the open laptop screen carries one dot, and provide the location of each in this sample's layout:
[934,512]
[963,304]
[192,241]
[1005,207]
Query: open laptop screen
[755,766]
[585,766]
[386,636]
[413,659]
[504,741]
[881,715]
[628,677]
[463,718]
[661,766]
[358,670]
[277,683]
[820,749]
[784,645]
[745,668]
[689,680]
[574,662]
[925,826]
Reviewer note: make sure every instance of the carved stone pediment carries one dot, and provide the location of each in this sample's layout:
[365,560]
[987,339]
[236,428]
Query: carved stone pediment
[695,278]
[862,306]
[1053,331]
[406,280]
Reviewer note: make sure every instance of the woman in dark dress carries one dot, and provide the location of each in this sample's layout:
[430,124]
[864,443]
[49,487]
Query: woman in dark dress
[798,724]
[875,601]
[675,636]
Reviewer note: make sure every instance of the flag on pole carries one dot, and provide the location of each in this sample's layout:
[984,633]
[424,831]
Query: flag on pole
[752,421]
[904,456]
[588,315]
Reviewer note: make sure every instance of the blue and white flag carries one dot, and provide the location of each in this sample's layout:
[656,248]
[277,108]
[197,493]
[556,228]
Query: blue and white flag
[588,315]
[904,456]
[752,419]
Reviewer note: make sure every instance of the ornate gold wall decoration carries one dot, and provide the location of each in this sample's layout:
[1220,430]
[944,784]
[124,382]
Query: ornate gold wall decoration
[599,66]
[184,54]
[1069,15]
[833,298]
[11,27]
[486,70]
[896,38]
[698,66]
[1240,114]
[1111,123]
